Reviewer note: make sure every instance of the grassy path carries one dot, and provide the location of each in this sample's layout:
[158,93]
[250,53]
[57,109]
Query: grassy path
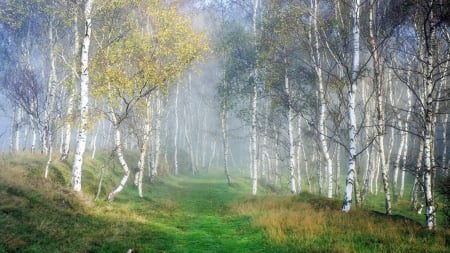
[199,210]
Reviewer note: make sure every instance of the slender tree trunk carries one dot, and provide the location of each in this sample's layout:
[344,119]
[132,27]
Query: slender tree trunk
[144,143]
[347,202]
[405,136]
[292,184]
[338,170]
[401,147]
[70,103]
[429,120]
[49,156]
[254,131]
[84,98]
[380,109]
[15,135]
[322,100]
[445,73]
[157,135]
[119,154]
[175,137]
[224,120]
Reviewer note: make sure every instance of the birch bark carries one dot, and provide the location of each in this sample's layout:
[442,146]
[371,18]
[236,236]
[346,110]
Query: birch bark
[69,113]
[224,122]
[119,154]
[430,37]
[380,108]
[292,184]
[254,129]
[348,194]
[175,137]
[322,100]
[84,99]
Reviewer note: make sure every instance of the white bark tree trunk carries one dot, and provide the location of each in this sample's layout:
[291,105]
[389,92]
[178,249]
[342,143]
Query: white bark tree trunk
[292,184]
[224,121]
[175,137]
[322,99]
[84,99]
[254,130]
[143,148]
[430,38]
[157,135]
[406,136]
[348,194]
[380,109]
[15,133]
[67,132]
[119,154]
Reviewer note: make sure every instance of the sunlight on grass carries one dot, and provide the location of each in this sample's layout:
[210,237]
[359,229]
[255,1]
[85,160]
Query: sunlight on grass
[303,226]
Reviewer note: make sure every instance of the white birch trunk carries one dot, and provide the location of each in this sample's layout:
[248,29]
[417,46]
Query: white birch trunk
[292,184]
[224,118]
[338,170]
[380,110]
[406,136]
[277,157]
[49,156]
[15,134]
[254,130]
[143,149]
[157,135]
[430,212]
[34,135]
[67,131]
[395,187]
[175,137]
[444,164]
[119,153]
[348,194]
[322,100]
[84,99]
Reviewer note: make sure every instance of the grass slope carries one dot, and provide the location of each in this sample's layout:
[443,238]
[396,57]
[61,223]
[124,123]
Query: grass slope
[186,214]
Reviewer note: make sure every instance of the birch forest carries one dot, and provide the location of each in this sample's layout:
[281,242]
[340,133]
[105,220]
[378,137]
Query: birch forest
[108,103]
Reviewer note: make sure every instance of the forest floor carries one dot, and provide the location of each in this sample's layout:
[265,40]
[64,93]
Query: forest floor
[188,214]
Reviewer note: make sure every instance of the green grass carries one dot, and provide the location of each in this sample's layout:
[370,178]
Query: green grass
[186,214]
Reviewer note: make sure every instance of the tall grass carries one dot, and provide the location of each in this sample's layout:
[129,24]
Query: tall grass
[307,223]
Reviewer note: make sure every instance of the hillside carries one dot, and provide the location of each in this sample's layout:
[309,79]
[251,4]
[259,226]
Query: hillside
[187,214]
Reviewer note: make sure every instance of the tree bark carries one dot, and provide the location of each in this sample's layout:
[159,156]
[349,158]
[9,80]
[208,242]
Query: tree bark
[119,154]
[224,122]
[254,129]
[84,99]
[348,194]
[71,93]
[292,184]
[322,99]
[175,137]
[380,109]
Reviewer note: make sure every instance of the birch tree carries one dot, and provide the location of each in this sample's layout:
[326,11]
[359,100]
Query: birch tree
[349,184]
[316,57]
[84,99]
[374,47]
[254,119]
[130,67]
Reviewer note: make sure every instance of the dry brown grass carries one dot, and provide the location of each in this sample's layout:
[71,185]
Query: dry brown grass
[283,218]
[318,223]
